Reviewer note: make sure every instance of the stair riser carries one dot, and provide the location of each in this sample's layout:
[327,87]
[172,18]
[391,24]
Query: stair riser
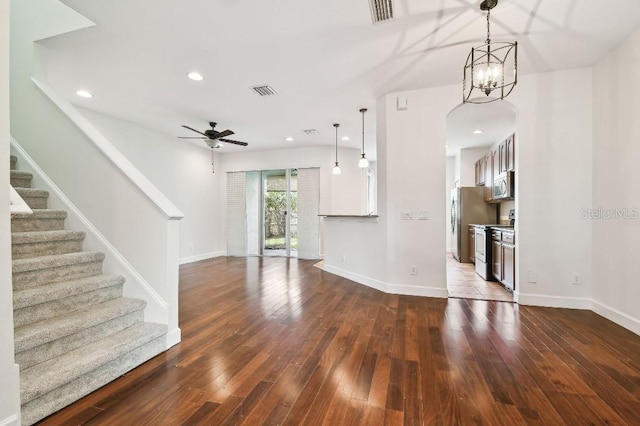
[13,162]
[36,202]
[50,309]
[30,224]
[33,356]
[24,251]
[20,182]
[35,278]
[58,398]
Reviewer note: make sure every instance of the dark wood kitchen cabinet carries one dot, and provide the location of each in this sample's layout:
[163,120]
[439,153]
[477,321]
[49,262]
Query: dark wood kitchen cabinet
[508,265]
[510,155]
[496,258]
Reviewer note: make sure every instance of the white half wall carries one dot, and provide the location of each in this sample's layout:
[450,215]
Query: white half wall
[616,151]
[9,379]
[182,171]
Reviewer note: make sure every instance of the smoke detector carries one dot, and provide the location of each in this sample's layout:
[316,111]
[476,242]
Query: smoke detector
[381,10]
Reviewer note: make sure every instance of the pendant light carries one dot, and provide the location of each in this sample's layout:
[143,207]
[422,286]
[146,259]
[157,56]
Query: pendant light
[491,69]
[363,163]
[336,168]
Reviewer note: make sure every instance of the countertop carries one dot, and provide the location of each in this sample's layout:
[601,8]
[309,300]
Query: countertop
[493,226]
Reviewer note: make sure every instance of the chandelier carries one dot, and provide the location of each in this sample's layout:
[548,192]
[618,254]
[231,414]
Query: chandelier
[491,69]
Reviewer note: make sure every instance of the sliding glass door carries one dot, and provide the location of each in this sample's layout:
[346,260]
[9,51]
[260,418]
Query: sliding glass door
[280,212]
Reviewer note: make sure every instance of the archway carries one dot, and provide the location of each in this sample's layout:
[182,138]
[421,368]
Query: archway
[480,162]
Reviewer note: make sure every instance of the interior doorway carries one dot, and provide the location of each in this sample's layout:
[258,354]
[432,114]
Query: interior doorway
[280,213]
[478,137]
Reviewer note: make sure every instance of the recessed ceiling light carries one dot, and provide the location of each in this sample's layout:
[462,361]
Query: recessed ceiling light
[446,146]
[288,139]
[84,94]
[478,132]
[195,76]
[346,138]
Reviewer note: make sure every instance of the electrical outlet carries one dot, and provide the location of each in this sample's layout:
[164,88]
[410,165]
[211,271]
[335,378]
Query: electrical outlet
[575,279]
[532,277]
[413,270]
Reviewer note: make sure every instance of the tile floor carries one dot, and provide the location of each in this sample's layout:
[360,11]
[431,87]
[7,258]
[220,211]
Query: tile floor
[464,283]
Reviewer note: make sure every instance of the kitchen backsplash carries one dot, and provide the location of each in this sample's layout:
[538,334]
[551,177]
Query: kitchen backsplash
[505,206]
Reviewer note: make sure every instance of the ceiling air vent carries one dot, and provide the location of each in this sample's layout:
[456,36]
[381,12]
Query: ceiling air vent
[265,90]
[312,132]
[381,10]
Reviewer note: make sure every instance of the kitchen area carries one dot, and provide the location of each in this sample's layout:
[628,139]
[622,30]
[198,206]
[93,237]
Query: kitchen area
[481,262]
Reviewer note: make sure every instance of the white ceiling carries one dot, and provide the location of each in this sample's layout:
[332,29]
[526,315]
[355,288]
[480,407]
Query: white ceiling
[325,58]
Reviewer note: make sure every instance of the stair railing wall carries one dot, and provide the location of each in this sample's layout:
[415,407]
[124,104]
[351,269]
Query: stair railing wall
[125,216]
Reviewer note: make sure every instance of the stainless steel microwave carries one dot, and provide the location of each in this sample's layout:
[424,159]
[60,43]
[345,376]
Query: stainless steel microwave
[503,187]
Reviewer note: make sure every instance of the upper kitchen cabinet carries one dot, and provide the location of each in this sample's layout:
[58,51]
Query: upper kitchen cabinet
[510,153]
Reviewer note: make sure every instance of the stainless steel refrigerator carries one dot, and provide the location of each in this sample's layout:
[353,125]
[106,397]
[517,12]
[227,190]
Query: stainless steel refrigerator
[468,207]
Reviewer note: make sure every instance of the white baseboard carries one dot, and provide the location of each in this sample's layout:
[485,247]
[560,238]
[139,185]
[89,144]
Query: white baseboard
[200,257]
[173,337]
[553,301]
[10,421]
[620,318]
[402,289]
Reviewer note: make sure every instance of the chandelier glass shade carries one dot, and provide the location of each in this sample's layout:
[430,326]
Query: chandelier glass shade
[491,70]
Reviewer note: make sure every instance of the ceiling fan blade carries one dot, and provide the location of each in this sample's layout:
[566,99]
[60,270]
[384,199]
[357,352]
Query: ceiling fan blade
[233,142]
[191,137]
[224,134]
[193,130]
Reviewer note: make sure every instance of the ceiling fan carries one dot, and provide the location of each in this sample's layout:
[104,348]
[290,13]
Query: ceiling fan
[212,137]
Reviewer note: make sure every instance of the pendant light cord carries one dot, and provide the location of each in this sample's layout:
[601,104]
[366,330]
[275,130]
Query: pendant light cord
[336,126]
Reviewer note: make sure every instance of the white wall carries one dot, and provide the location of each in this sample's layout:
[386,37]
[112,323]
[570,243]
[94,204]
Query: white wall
[10,388]
[411,178]
[182,171]
[553,182]
[615,184]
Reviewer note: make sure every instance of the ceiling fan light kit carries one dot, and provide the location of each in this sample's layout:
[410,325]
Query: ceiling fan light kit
[491,69]
[336,167]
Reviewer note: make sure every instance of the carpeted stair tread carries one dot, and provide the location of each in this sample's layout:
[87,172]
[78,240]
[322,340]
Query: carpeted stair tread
[40,220]
[45,236]
[20,179]
[55,261]
[35,198]
[59,290]
[32,335]
[43,378]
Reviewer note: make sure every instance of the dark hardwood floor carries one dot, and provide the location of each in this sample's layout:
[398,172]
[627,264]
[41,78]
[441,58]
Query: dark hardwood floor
[278,341]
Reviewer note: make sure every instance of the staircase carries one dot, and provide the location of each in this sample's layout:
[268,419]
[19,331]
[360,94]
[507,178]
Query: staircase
[74,332]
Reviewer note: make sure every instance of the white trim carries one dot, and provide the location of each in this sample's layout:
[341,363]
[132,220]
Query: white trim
[10,421]
[173,337]
[554,301]
[401,289]
[17,204]
[199,257]
[620,318]
[159,200]
[88,226]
